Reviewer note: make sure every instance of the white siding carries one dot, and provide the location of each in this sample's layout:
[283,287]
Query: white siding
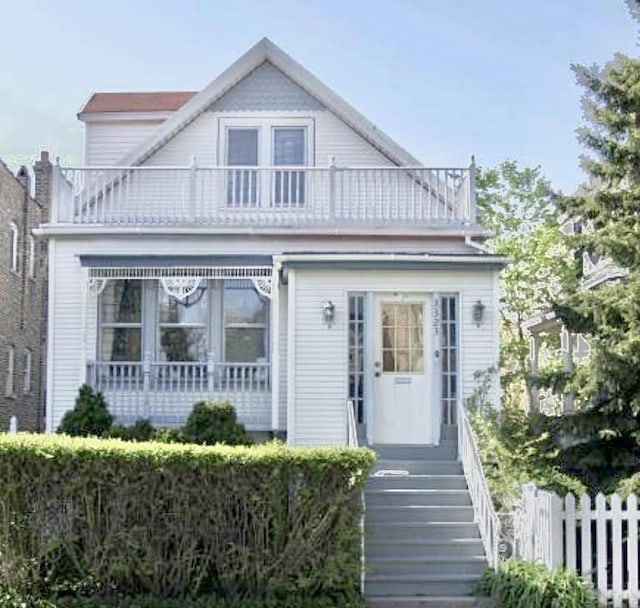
[282,340]
[66,358]
[320,374]
[107,142]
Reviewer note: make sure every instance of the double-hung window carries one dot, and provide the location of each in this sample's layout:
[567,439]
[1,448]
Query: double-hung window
[14,244]
[11,361]
[183,326]
[26,372]
[32,257]
[121,321]
[245,323]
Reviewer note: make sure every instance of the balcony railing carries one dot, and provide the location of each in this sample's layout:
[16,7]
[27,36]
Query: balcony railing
[264,196]
[165,392]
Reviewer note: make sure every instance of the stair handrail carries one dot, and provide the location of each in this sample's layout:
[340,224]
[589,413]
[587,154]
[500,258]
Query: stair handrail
[352,429]
[485,513]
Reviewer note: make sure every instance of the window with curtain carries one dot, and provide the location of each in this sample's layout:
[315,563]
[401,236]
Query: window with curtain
[245,323]
[121,321]
[242,150]
[289,147]
[183,325]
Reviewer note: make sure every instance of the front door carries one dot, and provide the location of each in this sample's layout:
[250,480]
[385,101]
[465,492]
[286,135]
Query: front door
[402,412]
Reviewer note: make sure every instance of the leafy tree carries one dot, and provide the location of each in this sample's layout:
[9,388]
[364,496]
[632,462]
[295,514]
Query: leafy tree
[607,427]
[519,207]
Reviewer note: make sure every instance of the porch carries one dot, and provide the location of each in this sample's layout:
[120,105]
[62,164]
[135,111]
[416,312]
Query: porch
[265,197]
[165,392]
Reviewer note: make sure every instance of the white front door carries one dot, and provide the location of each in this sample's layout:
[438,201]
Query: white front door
[401,384]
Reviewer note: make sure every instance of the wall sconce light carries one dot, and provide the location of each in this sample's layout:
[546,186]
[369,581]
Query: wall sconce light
[328,312]
[478,312]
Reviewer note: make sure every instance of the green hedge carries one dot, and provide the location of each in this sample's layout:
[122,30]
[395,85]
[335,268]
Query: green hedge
[11,599]
[174,520]
[519,584]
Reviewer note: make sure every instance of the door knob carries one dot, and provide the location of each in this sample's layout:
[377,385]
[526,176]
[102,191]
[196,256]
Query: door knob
[376,374]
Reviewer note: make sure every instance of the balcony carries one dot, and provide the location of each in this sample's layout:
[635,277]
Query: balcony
[165,392]
[264,197]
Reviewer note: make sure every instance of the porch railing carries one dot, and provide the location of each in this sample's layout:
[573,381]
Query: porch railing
[485,513]
[264,196]
[165,392]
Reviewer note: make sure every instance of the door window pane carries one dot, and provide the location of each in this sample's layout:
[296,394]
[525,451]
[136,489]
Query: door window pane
[402,338]
[242,150]
[289,150]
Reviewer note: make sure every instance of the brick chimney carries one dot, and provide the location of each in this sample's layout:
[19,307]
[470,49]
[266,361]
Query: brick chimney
[43,170]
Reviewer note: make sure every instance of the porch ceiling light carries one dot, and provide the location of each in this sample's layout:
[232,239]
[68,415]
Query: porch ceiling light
[478,313]
[328,312]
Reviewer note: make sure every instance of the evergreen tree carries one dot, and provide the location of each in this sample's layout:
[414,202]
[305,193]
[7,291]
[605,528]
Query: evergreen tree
[606,428]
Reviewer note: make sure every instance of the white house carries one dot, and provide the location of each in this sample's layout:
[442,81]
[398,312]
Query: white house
[262,241]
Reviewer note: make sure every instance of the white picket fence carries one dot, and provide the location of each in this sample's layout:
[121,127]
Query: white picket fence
[597,539]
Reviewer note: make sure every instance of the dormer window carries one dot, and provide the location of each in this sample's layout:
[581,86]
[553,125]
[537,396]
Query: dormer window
[266,145]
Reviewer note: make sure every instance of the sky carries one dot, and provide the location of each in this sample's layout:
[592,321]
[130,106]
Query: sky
[446,79]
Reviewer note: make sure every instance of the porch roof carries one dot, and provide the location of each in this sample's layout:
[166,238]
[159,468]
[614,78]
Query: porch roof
[172,261]
[393,261]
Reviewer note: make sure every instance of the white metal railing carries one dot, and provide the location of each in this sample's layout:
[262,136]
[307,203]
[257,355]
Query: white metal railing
[485,513]
[165,392]
[263,196]
[352,428]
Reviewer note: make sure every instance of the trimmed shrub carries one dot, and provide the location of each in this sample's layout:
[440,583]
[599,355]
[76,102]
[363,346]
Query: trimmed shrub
[178,520]
[89,417]
[140,430]
[11,599]
[520,584]
[212,422]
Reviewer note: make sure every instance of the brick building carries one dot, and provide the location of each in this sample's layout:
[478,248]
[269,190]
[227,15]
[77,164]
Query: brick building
[23,295]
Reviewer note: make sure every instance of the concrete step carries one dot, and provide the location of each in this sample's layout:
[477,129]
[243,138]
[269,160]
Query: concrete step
[439,565]
[405,585]
[398,497]
[425,547]
[418,482]
[417,467]
[420,530]
[447,450]
[415,513]
[448,601]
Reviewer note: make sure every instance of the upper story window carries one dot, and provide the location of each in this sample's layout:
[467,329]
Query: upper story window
[14,241]
[283,143]
[9,385]
[32,257]
[26,371]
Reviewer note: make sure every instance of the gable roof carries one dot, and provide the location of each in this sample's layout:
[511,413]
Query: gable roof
[265,50]
[136,102]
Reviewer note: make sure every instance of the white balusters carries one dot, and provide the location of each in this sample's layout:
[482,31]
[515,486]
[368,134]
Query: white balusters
[264,196]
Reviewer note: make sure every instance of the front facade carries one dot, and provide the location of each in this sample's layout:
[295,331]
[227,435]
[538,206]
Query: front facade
[22,302]
[260,241]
